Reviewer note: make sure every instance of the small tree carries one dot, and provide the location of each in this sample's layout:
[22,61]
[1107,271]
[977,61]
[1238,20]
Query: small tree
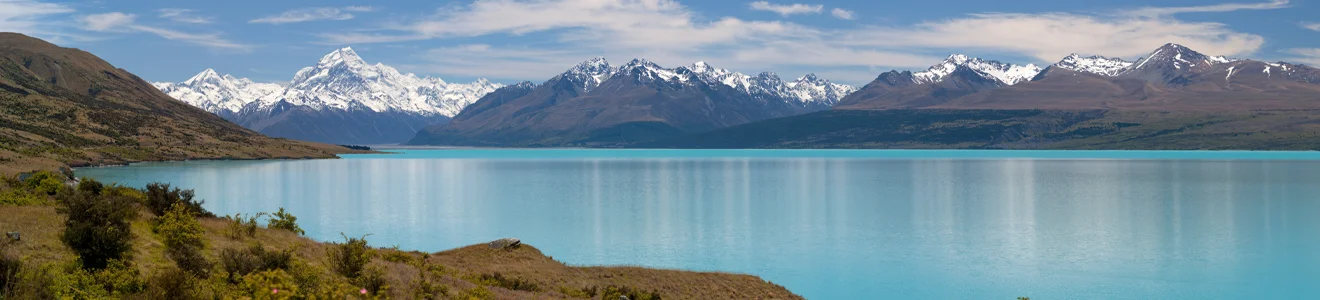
[285,221]
[182,234]
[349,258]
[160,197]
[97,227]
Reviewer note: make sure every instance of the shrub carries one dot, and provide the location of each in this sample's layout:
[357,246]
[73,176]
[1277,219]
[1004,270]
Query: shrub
[479,292]
[285,221]
[496,279]
[182,235]
[173,283]
[240,226]
[97,227]
[239,263]
[350,257]
[373,280]
[160,198]
[45,182]
[273,284]
[120,278]
[619,292]
[21,197]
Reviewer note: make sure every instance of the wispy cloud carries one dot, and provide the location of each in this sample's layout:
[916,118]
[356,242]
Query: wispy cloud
[667,32]
[127,23]
[25,16]
[1224,7]
[313,14]
[1308,56]
[183,15]
[787,9]
[1311,26]
[842,13]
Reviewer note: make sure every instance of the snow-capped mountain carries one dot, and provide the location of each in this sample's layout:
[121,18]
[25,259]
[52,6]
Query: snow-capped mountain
[341,88]
[1007,74]
[218,94]
[1095,64]
[806,90]
[589,74]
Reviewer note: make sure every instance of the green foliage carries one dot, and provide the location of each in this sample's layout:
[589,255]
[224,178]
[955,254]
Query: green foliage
[45,182]
[497,279]
[373,280]
[394,255]
[618,292]
[182,235]
[240,226]
[160,197]
[98,226]
[273,284]
[22,197]
[70,281]
[239,263]
[173,283]
[477,293]
[349,258]
[285,221]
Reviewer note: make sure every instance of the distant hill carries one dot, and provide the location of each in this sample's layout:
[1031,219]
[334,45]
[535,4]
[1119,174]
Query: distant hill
[1175,98]
[597,104]
[63,106]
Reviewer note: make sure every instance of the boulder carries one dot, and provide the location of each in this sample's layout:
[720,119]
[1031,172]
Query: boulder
[505,243]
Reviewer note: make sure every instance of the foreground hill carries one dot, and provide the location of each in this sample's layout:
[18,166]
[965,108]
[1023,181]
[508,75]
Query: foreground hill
[597,104]
[1175,98]
[239,260]
[62,106]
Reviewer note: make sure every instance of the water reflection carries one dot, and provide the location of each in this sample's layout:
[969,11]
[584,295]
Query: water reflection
[826,228]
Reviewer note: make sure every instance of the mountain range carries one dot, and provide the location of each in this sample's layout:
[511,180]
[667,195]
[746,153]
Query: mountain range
[598,104]
[341,99]
[66,107]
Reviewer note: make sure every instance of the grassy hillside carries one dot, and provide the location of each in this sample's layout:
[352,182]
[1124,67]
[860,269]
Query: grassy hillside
[63,106]
[1020,129]
[173,249]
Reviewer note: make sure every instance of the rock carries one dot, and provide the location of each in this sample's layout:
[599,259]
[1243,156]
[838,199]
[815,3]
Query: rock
[505,243]
[14,236]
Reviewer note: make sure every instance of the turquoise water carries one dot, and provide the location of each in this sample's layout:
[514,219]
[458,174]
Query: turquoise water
[828,224]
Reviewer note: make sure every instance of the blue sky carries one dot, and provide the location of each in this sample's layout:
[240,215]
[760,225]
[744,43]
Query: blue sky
[514,40]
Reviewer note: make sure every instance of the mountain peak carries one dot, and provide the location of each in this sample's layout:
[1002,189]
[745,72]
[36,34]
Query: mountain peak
[1176,57]
[1094,64]
[810,77]
[342,55]
[206,75]
[1007,74]
[640,62]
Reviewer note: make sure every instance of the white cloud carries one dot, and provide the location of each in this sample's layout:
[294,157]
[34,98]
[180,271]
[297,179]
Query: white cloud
[787,9]
[1311,26]
[126,23]
[565,32]
[183,15]
[1051,36]
[842,13]
[313,14]
[107,21]
[25,16]
[1308,56]
[1225,7]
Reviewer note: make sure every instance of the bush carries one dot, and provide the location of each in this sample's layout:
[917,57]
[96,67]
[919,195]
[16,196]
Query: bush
[239,263]
[240,226]
[97,227]
[182,235]
[285,221]
[480,292]
[21,197]
[618,292]
[373,280]
[160,198]
[496,279]
[173,283]
[45,182]
[349,258]
[273,284]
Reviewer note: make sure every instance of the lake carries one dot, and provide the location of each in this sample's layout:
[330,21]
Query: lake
[827,224]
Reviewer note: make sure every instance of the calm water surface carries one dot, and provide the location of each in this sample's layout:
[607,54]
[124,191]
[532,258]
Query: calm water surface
[828,224]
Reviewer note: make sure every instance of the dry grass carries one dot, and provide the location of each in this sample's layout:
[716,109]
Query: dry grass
[458,272]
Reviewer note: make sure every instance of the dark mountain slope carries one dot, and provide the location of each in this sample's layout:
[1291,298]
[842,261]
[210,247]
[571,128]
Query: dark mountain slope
[66,106]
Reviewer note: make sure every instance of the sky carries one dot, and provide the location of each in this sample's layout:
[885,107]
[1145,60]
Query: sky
[509,41]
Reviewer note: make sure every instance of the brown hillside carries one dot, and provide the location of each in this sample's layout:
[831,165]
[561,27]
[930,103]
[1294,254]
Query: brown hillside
[64,106]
